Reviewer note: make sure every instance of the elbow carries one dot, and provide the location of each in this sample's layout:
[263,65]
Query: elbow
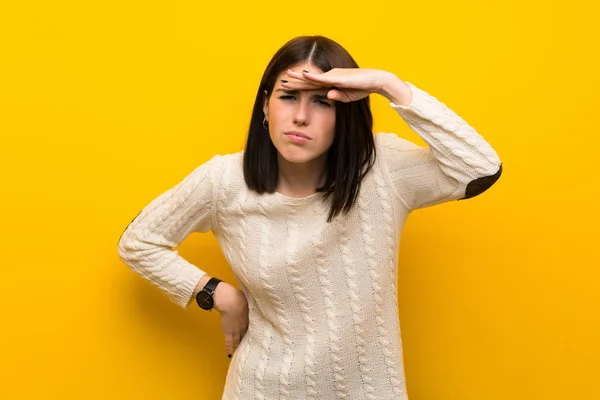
[127,246]
[122,247]
[128,250]
[480,185]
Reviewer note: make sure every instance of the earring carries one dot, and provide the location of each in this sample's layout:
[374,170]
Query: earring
[265,122]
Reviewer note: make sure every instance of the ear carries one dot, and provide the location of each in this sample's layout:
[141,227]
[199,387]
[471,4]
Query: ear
[266,104]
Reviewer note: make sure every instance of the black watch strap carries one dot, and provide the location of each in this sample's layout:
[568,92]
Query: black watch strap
[211,285]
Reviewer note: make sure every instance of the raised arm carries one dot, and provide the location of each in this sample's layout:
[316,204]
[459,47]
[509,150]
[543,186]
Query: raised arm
[457,164]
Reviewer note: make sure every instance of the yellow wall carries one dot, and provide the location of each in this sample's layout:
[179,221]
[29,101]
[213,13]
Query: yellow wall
[105,106]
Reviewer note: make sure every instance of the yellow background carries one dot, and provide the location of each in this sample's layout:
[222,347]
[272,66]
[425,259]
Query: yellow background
[105,105]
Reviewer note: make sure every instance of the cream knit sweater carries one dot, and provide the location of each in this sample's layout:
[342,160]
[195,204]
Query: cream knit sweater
[322,296]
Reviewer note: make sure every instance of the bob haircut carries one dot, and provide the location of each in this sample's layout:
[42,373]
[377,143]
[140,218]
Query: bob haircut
[352,152]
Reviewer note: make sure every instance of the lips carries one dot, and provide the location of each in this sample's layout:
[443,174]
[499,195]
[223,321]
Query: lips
[300,134]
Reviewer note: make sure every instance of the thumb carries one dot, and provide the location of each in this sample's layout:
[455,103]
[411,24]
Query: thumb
[334,94]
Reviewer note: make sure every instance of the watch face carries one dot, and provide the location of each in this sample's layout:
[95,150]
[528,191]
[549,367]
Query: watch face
[204,300]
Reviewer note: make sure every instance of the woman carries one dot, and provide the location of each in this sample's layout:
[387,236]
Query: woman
[309,217]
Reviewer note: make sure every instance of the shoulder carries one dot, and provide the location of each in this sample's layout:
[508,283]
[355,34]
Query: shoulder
[226,171]
[397,151]
[217,170]
[233,164]
[220,163]
[398,154]
[390,142]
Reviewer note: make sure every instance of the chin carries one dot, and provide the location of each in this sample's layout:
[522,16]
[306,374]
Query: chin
[296,158]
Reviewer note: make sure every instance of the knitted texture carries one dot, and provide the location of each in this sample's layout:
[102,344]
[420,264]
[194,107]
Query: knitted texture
[322,297]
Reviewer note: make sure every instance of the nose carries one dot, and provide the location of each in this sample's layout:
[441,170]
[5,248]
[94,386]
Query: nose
[302,115]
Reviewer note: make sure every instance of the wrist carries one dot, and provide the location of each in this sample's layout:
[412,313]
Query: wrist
[205,291]
[396,90]
[224,293]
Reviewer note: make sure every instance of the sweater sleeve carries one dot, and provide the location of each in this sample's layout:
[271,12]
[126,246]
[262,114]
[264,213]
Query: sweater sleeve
[147,243]
[457,163]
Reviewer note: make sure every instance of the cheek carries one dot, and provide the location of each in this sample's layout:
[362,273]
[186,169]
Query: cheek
[276,112]
[328,127]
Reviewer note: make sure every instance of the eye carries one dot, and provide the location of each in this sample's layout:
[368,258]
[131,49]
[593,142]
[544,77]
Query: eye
[321,102]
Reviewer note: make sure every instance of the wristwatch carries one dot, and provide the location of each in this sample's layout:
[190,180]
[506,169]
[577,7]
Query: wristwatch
[204,298]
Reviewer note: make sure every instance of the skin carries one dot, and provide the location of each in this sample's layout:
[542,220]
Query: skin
[301,165]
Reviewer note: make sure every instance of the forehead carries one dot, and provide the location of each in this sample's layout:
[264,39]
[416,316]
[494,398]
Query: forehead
[305,66]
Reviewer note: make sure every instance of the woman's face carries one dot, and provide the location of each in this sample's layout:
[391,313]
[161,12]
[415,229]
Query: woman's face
[308,112]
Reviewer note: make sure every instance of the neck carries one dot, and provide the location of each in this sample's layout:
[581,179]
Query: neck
[300,179]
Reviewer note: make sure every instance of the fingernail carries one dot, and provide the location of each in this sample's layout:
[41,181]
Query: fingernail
[229,355]
[284,81]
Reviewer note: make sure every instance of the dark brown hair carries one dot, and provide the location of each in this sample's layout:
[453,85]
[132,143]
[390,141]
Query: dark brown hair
[352,153]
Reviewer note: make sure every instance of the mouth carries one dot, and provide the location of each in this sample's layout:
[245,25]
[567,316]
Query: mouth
[298,134]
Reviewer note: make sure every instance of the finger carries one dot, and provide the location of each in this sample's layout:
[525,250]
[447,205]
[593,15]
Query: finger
[333,94]
[296,75]
[321,78]
[312,78]
[297,85]
[308,77]
[338,96]
[236,342]
[229,344]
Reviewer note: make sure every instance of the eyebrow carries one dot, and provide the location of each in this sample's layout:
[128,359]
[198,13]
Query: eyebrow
[296,92]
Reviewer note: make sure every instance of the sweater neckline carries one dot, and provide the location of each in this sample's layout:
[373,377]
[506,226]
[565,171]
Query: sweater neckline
[296,200]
